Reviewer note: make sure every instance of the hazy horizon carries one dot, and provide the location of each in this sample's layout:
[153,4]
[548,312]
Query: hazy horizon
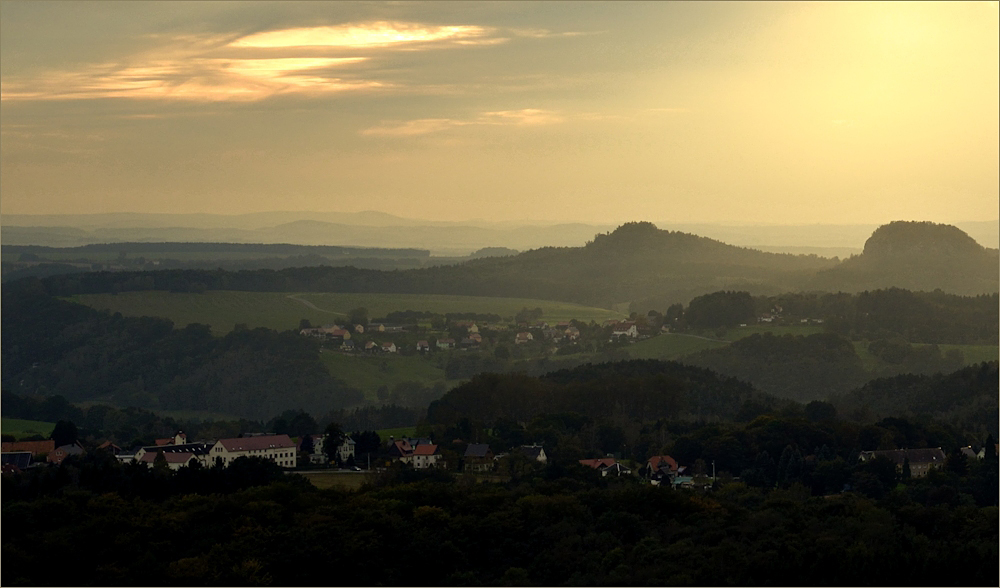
[734,114]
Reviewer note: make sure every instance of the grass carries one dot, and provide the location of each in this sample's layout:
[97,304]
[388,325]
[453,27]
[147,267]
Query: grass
[398,433]
[21,428]
[332,479]
[670,346]
[224,309]
[367,373]
[975,353]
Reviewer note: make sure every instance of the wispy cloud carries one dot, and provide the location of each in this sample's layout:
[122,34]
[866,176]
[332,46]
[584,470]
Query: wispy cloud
[248,68]
[363,35]
[522,117]
[198,79]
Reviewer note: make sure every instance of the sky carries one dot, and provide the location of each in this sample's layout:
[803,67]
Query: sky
[771,113]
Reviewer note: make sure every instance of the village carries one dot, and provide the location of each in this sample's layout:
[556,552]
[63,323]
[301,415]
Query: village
[312,452]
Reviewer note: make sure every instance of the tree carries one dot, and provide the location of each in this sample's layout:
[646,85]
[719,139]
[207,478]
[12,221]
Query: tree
[358,316]
[64,433]
[305,324]
[307,446]
[334,439]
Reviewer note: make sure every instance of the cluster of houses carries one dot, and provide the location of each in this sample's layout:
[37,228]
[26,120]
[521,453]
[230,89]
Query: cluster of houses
[563,331]
[419,453]
[176,451]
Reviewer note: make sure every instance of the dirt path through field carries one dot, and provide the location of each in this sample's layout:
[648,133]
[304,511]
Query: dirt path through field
[313,306]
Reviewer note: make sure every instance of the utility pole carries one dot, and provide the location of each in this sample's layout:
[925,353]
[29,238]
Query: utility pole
[713,471]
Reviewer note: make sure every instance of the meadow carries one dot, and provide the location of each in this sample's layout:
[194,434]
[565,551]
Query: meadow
[222,309]
[367,373]
[21,428]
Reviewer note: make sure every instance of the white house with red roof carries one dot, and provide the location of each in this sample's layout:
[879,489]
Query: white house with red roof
[278,448]
[426,456]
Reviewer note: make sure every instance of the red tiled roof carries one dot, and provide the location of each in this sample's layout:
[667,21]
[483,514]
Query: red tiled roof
[602,462]
[658,461]
[35,447]
[258,442]
[425,450]
[167,441]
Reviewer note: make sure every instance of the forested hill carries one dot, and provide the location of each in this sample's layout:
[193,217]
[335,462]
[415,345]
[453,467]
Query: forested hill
[51,346]
[637,262]
[634,391]
[917,256]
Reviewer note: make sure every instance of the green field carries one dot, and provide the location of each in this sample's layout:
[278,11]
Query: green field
[280,311]
[367,373]
[398,433]
[670,346]
[21,428]
[975,353]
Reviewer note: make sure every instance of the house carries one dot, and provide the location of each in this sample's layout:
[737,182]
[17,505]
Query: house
[572,333]
[616,469]
[125,456]
[446,344]
[200,451]
[968,452]
[278,448]
[426,456]
[174,460]
[370,346]
[389,347]
[423,346]
[534,452]
[661,469]
[921,460]
[469,342]
[478,458]
[37,448]
[341,334]
[359,329]
[179,438]
[606,465]
[347,345]
[376,327]
[401,451]
[523,337]
[625,329]
[57,455]
[553,334]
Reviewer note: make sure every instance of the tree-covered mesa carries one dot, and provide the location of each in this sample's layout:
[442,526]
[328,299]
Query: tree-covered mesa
[53,347]
[249,524]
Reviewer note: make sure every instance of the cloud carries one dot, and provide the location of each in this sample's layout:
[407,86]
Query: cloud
[547,34]
[363,35]
[195,79]
[424,126]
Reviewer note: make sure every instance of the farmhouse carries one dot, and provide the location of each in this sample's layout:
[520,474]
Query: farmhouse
[278,448]
[478,458]
[426,456]
[534,452]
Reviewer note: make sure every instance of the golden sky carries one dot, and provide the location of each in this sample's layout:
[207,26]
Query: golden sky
[594,112]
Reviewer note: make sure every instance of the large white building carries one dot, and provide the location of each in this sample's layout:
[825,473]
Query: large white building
[278,448]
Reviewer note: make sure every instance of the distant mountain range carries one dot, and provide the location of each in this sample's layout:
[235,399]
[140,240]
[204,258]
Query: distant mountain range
[637,265]
[377,229]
